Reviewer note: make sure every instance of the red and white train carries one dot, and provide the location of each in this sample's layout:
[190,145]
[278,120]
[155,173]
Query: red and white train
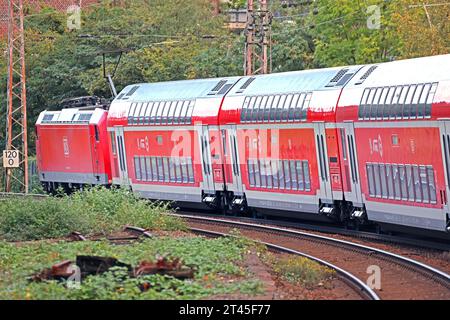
[368,143]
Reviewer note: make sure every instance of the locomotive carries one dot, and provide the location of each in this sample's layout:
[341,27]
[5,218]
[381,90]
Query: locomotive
[355,144]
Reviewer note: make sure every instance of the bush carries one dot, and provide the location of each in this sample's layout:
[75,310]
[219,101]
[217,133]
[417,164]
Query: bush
[302,270]
[94,211]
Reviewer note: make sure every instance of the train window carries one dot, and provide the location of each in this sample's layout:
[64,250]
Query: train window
[273,108]
[430,99]
[143,169]
[172,169]
[374,105]
[159,160]
[263,173]
[423,184]
[417,186]
[403,182]
[165,118]
[376,174]
[154,169]
[275,171]
[257,173]
[423,100]
[250,109]
[190,170]
[382,103]
[269,103]
[300,178]
[287,175]
[369,104]
[131,113]
[390,181]
[183,112]
[269,174]
[293,107]
[148,111]
[395,98]
[396,176]
[306,106]
[370,179]
[113,143]
[307,176]
[388,102]
[153,113]
[281,184]
[384,189]
[159,112]
[410,182]
[294,182]
[401,102]
[178,172]
[287,105]
[415,100]
[255,110]
[190,112]
[184,171]
[251,172]
[262,107]
[244,109]
[431,183]
[143,113]
[363,104]
[280,108]
[169,112]
[137,168]
[148,168]
[298,105]
[408,110]
[137,112]
[166,169]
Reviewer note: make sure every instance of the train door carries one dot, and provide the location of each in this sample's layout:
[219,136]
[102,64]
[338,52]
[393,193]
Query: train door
[123,169]
[205,150]
[350,163]
[444,194]
[322,158]
[235,163]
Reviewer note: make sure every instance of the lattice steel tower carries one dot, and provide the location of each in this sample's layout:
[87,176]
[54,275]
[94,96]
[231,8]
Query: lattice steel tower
[16,123]
[258,55]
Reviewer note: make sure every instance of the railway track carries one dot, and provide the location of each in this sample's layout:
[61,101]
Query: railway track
[337,230]
[400,277]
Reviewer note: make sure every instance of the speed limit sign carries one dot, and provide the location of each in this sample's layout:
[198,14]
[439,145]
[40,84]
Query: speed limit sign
[10,159]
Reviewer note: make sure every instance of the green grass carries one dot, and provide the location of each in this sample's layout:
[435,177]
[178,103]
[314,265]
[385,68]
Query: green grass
[212,260]
[94,211]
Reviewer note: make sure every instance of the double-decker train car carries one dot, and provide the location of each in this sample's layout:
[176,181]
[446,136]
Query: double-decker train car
[394,126]
[357,144]
[284,141]
[72,149]
[166,142]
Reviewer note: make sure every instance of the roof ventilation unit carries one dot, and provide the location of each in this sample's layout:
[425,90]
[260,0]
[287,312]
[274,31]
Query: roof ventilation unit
[218,86]
[246,85]
[366,75]
[336,79]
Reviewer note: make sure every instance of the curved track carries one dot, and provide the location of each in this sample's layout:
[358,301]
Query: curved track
[401,277]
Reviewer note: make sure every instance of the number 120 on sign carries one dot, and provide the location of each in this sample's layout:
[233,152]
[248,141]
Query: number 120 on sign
[10,159]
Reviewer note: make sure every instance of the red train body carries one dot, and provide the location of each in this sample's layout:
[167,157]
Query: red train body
[69,148]
[360,143]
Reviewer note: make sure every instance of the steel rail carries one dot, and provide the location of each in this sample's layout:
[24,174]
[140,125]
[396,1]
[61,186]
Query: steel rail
[354,282]
[435,274]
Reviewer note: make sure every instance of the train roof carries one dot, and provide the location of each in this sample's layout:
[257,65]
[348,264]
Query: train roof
[176,90]
[410,71]
[296,81]
[71,116]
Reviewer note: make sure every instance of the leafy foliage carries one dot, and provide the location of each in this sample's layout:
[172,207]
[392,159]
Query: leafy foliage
[93,211]
[213,260]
